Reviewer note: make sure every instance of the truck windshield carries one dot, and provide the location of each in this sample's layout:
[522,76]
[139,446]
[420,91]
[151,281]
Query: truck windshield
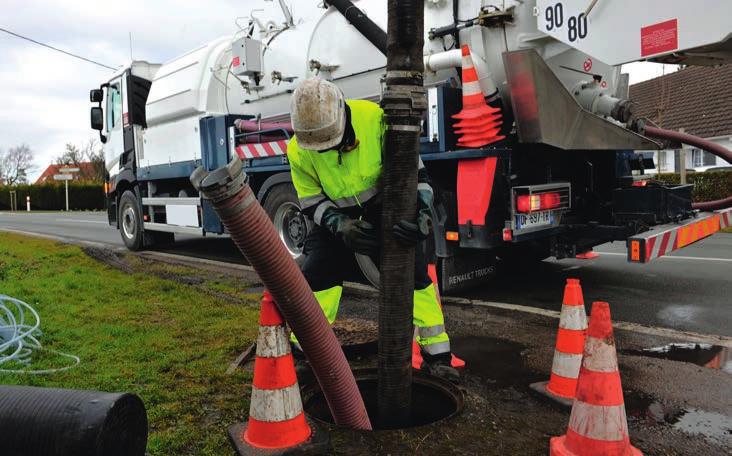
[114,107]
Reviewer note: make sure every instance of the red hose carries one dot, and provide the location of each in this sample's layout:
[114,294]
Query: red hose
[252,125]
[254,234]
[701,143]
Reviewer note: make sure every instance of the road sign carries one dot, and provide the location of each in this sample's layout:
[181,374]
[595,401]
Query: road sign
[63,177]
[68,170]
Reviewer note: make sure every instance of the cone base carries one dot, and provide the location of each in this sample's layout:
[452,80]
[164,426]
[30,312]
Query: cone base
[557,448]
[540,387]
[318,443]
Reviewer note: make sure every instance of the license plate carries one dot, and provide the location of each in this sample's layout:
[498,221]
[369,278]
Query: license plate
[534,219]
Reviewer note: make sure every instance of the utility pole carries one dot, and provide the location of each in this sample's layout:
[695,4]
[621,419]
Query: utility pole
[404,101]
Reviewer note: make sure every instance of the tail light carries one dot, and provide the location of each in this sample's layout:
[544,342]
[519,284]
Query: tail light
[538,202]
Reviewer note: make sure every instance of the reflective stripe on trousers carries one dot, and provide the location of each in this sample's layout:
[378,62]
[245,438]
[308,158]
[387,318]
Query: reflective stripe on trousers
[430,322]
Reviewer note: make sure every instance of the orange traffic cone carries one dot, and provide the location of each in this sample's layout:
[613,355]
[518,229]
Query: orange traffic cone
[277,422]
[456,362]
[479,123]
[598,425]
[570,344]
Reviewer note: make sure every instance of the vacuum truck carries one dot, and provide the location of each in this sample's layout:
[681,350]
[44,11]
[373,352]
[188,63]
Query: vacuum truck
[561,172]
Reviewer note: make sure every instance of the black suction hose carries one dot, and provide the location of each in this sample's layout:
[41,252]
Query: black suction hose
[363,24]
[404,103]
[60,422]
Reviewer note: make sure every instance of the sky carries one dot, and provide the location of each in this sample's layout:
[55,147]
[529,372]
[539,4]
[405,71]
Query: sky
[45,94]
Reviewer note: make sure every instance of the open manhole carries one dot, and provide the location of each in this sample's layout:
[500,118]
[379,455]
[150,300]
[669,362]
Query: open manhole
[433,399]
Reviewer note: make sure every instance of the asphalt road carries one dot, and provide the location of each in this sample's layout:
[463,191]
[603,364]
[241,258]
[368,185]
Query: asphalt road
[689,290]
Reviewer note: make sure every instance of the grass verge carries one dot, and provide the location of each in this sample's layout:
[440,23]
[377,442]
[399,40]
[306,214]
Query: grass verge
[167,341]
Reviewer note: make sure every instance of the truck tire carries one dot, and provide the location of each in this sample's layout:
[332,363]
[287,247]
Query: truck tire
[283,208]
[130,221]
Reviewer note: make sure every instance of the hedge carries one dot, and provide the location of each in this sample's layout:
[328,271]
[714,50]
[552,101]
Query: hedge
[708,185]
[51,196]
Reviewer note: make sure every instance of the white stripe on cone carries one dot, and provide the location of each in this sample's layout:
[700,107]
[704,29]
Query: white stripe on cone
[471,88]
[272,342]
[566,364]
[599,422]
[276,405]
[573,317]
[600,357]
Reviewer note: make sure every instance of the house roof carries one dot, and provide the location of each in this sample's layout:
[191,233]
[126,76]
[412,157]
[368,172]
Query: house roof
[696,98]
[86,169]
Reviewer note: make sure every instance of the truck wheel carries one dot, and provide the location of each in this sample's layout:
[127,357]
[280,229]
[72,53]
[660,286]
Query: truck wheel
[283,208]
[130,222]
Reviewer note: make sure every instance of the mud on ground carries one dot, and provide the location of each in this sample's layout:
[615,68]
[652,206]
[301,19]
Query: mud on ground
[674,408]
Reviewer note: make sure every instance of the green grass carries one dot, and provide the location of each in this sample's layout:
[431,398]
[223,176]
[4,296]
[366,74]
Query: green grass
[727,230]
[168,342]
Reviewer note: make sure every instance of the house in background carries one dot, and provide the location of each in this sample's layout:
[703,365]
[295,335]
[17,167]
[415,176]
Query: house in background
[696,100]
[87,172]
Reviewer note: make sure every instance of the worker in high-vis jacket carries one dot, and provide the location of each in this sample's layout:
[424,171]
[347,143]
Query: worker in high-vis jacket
[335,161]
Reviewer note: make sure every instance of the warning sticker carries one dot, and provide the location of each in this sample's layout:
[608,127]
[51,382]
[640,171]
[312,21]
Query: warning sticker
[658,38]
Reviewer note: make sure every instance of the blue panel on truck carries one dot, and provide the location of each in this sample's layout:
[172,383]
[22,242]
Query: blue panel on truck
[214,142]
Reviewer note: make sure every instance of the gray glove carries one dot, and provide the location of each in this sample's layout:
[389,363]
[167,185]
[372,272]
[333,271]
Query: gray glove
[358,235]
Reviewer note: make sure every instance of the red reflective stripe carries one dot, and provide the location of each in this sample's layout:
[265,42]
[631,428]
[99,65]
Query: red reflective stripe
[570,341]
[580,445]
[599,388]
[281,434]
[469,74]
[269,315]
[268,149]
[562,386]
[274,373]
[600,324]
[664,244]
[649,247]
[240,152]
[474,99]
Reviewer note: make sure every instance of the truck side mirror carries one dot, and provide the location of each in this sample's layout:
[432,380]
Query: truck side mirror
[97,122]
[96,95]
[97,118]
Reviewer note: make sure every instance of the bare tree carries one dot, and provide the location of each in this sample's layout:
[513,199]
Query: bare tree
[71,156]
[90,152]
[15,164]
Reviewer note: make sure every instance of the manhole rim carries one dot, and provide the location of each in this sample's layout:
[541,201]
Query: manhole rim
[451,390]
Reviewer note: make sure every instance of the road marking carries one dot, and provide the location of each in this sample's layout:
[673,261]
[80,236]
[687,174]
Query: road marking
[675,257]
[80,221]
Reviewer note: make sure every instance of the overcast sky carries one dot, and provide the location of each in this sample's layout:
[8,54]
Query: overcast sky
[45,94]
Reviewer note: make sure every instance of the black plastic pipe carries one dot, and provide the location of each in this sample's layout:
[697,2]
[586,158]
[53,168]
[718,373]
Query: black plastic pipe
[60,422]
[253,233]
[701,143]
[363,24]
[404,102]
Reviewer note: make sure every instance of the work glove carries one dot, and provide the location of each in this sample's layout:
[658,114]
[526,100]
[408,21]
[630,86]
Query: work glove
[358,235]
[411,233]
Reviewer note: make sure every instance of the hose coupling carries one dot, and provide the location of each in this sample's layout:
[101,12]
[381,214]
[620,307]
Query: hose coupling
[222,183]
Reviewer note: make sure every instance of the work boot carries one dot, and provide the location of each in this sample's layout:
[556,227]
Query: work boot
[440,366]
[302,366]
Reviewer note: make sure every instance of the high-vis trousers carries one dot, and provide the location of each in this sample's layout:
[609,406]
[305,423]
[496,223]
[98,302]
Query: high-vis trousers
[329,262]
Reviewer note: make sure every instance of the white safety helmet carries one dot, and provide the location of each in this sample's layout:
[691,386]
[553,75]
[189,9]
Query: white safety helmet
[318,110]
